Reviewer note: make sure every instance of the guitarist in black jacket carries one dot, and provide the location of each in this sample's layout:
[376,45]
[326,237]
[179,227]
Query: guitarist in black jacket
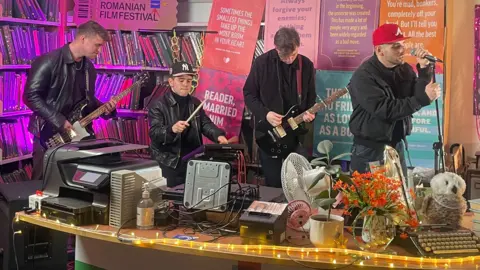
[57,82]
[272,88]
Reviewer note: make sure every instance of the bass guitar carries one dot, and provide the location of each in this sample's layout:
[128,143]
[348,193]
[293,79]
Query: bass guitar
[274,141]
[51,137]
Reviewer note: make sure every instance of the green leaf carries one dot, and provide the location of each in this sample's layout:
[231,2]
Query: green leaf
[319,158]
[326,203]
[317,178]
[322,195]
[345,178]
[341,156]
[334,169]
[324,147]
[318,163]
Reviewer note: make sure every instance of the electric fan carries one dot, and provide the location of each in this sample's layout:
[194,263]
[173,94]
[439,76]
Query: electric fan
[301,182]
[298,214]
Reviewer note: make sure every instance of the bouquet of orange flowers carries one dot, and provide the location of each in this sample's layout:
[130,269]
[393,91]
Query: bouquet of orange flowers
[374,194]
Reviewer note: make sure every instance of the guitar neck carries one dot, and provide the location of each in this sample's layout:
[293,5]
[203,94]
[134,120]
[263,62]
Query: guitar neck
[320,105]
[102,109]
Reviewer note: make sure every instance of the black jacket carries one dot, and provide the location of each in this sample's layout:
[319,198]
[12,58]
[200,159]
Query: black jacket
[263,89]
[162,115]
[376,108]
[48,90]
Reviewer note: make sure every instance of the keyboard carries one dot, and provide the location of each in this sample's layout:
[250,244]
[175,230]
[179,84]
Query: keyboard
[446,244]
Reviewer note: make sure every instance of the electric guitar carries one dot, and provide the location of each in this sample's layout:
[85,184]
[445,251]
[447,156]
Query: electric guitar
[273,140]
[51,137]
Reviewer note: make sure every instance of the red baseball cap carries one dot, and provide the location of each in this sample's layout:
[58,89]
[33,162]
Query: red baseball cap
[387,33]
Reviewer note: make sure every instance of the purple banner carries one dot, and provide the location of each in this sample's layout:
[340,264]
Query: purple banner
[346,28]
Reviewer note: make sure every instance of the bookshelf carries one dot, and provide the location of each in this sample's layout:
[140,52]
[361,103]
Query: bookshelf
[12,20]
[15,159]
[192,19]
[27,31]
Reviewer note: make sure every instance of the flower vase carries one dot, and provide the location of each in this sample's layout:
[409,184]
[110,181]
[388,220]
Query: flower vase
[378,231]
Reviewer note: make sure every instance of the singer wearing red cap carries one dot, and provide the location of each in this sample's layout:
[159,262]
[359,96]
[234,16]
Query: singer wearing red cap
[385,93]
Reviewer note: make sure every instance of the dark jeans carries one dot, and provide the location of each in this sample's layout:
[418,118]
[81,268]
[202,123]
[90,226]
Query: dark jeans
[272,167]
[37,160]
[175,176]
[362,155]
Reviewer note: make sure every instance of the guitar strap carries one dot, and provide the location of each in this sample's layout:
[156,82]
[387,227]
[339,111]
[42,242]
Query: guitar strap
[299,79]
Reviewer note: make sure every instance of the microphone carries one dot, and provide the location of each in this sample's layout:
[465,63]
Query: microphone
[430,58]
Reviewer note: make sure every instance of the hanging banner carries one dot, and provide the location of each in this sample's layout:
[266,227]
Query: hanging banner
[346,29]
[303,15]
[476,68]
[423,21]
[225,103]
[425,132]
[237,24]
[127,14]
[331,123]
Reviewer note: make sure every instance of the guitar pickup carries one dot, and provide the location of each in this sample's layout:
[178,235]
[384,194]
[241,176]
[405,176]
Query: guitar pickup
[292,123]
[280,131]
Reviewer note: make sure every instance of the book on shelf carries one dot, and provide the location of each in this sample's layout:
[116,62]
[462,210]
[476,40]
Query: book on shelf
[11,91]
[15,140]
[20,175]
[144,49]
[133,131]
[109,85]
[22,44]
[41,10]
[158,91]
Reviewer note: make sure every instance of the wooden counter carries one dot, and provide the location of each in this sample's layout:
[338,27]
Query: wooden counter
[299,253]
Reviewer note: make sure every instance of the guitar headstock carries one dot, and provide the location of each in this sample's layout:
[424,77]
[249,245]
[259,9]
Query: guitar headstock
[142,78]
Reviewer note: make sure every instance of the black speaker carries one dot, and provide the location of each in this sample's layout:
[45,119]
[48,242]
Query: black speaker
[35,247]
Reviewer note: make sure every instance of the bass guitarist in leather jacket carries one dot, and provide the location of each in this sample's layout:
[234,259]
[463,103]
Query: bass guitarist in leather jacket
[172,136]
[57,81]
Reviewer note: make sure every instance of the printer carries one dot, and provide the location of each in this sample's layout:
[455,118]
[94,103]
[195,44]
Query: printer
[77,179]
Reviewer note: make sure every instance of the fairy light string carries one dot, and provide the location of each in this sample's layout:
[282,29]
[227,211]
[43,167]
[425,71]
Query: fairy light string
[301,255]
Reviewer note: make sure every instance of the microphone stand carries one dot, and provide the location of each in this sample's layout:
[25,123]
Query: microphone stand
[438,145]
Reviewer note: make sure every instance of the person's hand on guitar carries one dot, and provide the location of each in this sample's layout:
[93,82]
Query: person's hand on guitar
[110,106]
[222,140]
[179,127]
[67,126]
[274,119]
[308,117]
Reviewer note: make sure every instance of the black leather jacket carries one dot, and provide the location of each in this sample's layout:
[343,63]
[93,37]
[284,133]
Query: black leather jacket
[162,115]
[48,90]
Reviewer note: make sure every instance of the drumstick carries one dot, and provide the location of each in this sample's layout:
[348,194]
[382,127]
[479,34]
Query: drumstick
[196,111]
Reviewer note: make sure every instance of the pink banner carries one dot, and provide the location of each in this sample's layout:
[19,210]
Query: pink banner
[346,33]
[127,14]
[303,15]
[225,104]
[237,23]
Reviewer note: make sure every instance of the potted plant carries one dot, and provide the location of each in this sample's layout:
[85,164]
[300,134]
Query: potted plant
[379,200]
[326,230]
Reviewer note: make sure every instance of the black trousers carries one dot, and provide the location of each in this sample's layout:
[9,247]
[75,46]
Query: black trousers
[362,155]
[272,167]
[37,160]
[175,176]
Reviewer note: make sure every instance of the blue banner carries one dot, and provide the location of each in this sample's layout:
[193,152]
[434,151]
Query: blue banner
[332,123]
[425,132]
